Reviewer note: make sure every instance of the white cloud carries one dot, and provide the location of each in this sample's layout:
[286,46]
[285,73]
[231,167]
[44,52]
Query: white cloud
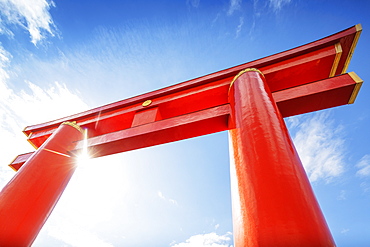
[172,201]
[320,146]
[32,15]
[45,104]
[33,104]
[207,240]
[277,5]
[159,193]
[364,166]
[234,5]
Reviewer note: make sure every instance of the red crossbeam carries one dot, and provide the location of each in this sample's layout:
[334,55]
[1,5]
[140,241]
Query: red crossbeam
[303,79]
[305,98]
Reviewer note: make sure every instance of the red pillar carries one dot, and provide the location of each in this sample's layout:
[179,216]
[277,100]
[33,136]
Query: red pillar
[29,198]
[273,202]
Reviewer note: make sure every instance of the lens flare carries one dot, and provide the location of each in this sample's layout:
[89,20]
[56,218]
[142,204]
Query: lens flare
[84,157]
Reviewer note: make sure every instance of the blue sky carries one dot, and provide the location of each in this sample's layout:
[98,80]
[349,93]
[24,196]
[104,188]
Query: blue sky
[63,57]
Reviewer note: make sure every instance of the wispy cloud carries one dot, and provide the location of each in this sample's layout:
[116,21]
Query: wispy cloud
[365,187]
[32,15]
[207,240]
[277,5]
[239,28]
[320,145]
[172,201]
[234,6]
[364,166]
[263,8]
[193,3]
[342,195]
[5,57]
[33,104]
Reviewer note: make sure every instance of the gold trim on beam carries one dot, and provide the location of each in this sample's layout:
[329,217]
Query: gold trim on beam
[358,85]
[24,132]
[55,152]
[11,166]
[353,47]
[338,51]
[29,141]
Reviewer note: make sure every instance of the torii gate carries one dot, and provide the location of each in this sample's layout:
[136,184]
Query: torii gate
[272,201]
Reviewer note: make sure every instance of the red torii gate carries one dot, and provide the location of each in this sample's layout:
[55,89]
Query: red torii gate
[273,203]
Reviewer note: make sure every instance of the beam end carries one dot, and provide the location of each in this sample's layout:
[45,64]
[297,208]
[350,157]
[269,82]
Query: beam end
[357,88]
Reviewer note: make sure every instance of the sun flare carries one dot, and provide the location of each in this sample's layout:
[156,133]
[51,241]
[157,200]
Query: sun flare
[84,157]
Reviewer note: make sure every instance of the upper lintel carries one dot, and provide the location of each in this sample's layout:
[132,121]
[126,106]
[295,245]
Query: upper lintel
[305,64]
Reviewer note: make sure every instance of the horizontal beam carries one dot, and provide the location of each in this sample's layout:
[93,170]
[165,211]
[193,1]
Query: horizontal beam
[335,91]
[305,64]
[17,163]
[186,126]
[319,95]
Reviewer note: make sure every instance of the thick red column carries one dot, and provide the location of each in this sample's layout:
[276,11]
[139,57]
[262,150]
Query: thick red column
[29,198]
[273,202]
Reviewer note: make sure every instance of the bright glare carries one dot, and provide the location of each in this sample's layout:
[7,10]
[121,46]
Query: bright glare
[95,195]
[92,191]
[84,157]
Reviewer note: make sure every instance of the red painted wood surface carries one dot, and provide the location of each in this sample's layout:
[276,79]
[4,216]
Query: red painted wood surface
[319,95]
[305,64]
[146,116]
[273,204]
[272,200]
[29,198]
[314,96]
[19,161]
[199,123]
